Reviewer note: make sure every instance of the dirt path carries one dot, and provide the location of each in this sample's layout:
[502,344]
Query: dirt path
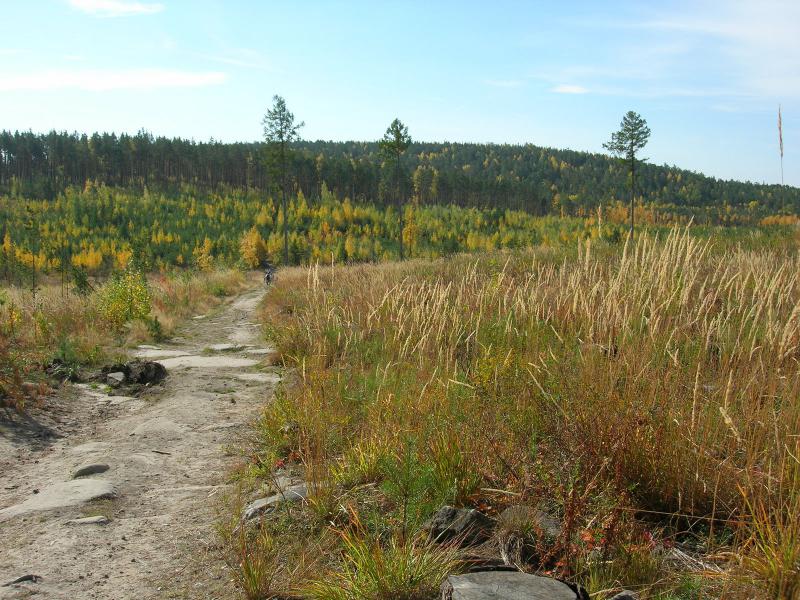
[166,457]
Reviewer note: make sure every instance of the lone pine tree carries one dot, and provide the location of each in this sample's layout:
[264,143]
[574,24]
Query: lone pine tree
[632,136]
[393,144]
[280,131]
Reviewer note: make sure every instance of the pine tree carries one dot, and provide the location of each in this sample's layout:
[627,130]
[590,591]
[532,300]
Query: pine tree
[632,136]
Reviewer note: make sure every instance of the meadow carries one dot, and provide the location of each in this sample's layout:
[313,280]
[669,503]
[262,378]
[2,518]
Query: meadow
[644,396]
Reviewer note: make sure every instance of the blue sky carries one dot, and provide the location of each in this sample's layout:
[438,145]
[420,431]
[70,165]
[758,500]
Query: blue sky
[708,76]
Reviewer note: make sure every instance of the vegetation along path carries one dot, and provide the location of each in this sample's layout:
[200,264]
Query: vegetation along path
[152,531]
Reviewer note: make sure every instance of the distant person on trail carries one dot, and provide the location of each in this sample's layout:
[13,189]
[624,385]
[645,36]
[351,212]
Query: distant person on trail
[269,273]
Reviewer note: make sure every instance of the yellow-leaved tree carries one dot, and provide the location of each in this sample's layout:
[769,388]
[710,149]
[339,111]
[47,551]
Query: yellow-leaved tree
[203,255]
[253,248]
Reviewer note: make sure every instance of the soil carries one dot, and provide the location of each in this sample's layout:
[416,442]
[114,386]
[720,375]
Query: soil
[168,461]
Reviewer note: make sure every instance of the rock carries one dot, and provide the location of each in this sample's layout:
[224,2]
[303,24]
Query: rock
[207,362]
[115,379]
[504,585]
[259,351]
[60,495]
[520,518]
[142,372]
[259,377]
[626,595]
[24,579]
[525,535]
[159,427]
[95,520]
[265,505]
[225,347]
[91,469]
[465,526]
[145,372]
[158,353]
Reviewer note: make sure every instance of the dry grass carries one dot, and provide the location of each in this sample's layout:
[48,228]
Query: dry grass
[58,324]
[648,395]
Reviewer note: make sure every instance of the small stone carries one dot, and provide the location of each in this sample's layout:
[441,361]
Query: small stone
[225,347]
[505,585]
[626,595]
[115,379]
[95,520]
[23,579]
[265,505]
[92,469]
[465,526]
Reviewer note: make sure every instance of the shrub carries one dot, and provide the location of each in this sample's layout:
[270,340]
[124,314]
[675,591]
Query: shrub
[126,297]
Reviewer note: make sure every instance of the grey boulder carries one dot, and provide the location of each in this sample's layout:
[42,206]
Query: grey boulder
[504,585]
[463,526]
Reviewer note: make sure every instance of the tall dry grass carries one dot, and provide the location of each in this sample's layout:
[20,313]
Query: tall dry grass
[648,397]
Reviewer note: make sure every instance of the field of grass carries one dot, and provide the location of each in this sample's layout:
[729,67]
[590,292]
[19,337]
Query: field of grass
[60,329]
[644,396]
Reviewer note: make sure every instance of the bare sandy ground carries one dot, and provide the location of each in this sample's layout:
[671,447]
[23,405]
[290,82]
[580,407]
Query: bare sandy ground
[167,467]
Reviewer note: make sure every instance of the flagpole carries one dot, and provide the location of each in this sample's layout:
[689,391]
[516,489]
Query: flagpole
[780,144]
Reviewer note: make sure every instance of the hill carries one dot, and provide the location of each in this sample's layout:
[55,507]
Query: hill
[535,179]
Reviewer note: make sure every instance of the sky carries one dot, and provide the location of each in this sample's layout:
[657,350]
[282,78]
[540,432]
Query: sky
[708,76]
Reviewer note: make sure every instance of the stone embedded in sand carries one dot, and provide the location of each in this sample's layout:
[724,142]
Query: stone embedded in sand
[208,362]
[155,353]
[159,427]
[61,495]
[95,520]
[91,469]
[258,351]
[225,347]
[259,377]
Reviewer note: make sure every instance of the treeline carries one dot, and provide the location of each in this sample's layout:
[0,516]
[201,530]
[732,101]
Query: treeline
[520,177]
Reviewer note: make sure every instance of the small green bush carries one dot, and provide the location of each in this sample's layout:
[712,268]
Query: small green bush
[126,297]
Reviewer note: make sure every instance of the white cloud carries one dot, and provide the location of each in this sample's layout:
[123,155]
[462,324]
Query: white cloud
[116,8]
[569,89]
[100,80]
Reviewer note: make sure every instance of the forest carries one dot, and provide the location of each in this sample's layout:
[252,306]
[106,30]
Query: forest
[526,177]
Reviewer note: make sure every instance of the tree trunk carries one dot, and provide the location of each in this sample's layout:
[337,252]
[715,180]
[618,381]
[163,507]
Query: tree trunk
[285,207]
[399,204]
[633,188]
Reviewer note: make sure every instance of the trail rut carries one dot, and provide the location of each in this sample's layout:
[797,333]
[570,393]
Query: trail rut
[166,454]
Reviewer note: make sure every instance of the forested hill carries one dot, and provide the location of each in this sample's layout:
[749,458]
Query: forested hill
[539,180]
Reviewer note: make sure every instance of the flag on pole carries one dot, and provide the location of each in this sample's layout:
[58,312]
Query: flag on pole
[780,130]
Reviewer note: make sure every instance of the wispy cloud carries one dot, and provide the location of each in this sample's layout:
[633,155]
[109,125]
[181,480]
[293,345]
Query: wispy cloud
[116,8]
[101,80]
[504,83]
[569,89]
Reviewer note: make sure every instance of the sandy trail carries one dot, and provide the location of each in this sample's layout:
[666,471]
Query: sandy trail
[167,462]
